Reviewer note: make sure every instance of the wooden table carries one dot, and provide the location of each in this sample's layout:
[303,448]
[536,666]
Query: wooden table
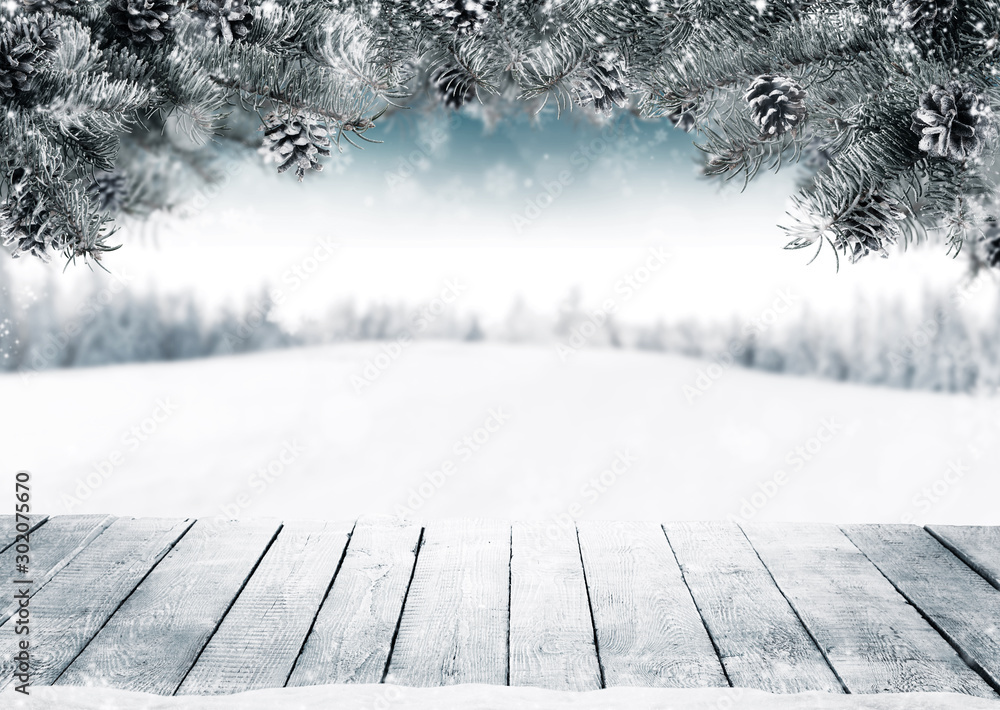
[207,607]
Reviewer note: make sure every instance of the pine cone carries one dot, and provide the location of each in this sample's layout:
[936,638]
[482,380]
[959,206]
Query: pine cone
[109,191]
[26,44]
[921,15]
[991,245]
[143,21]
[24,221]
[683,117]
[871,224]
[226,19]
[952,121]
[777,104]
[603,84]
[465,16]
[452,88]
[295,141]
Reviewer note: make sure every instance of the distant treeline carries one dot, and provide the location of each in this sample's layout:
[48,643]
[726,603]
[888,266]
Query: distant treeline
[941,345]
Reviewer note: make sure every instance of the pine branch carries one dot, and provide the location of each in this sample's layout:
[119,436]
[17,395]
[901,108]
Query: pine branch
[148,90]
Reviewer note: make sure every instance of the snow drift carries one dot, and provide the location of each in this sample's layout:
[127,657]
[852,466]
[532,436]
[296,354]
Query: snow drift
[291,434]
[486,697]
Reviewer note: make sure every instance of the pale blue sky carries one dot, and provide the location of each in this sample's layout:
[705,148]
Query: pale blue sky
[522,211]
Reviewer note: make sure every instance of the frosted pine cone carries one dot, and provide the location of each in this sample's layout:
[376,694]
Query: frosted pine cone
[867,227]
[26,44]
[603,85]
[109,191]
[465,16]
[777,104]
[952,121]
[921,15]
[143,21]
[229,20]
[295,141]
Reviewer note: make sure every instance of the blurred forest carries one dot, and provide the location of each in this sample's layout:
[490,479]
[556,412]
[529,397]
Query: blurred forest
[941,345]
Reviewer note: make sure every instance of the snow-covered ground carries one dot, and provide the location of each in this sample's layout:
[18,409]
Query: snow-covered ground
[453,429]
[486,697]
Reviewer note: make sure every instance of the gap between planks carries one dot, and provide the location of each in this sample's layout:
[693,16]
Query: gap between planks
[511,622]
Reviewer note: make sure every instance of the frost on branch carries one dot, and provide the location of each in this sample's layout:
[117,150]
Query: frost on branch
[887,107]
[26,45]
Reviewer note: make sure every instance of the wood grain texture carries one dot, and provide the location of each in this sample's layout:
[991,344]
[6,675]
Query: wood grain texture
[52,547]
[72,608]
[759,638]
[8,528]
[454,624]
[551,629]
[154,638]
[649,632]
[960,604]
[257,643]
[352,636]
[976,545]
[874,640]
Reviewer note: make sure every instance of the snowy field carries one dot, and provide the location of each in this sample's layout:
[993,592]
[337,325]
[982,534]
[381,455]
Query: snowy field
[452,429]
[486,697]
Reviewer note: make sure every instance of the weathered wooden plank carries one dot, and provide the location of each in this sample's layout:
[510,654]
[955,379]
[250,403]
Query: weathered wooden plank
[260,637]
[649,632]
[78,601]
[874,640]
[976,545]
[8,528]
[154,638]
[960,604]
[759,638]
[454,624]
[551,629]
[352,637]
[52,547]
